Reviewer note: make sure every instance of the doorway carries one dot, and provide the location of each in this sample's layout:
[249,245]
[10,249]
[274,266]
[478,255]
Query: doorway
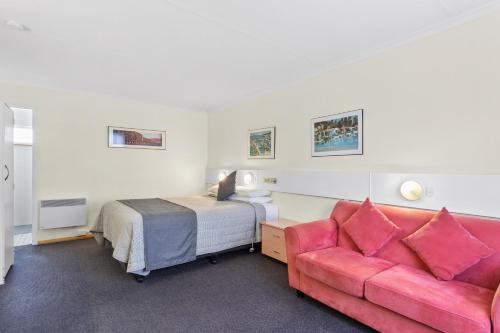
[23,176]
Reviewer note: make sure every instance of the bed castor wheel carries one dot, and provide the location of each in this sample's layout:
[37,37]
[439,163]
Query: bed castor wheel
[251,250]
[139,278]
[213,260]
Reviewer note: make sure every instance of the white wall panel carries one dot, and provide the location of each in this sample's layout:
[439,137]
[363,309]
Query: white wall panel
[468,194]
[352,185]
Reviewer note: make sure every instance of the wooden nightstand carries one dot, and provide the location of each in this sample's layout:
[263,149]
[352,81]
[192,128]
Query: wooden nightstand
[273,238]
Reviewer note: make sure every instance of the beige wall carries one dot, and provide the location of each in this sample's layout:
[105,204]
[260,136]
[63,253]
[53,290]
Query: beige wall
[430,106]
[73,159]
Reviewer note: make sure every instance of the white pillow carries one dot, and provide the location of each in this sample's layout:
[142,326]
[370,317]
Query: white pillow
[212,191]
[260,200]
[251,192]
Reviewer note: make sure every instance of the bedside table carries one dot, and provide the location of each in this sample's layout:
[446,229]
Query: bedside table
[273,238]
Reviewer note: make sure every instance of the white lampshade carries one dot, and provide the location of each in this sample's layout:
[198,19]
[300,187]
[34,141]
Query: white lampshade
[411,190]
[222,175]
[249,178]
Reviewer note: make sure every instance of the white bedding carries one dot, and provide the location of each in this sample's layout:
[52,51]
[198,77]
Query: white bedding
[219,228]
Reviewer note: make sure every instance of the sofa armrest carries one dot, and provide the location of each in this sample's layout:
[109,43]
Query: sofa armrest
[495,311]
[306,237]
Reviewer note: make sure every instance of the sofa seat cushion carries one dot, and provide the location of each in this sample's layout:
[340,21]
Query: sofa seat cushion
[340,268]
[448,306]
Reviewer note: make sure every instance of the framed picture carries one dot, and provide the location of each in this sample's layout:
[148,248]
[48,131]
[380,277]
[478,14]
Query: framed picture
[120,137]
[338,134]
[261,143]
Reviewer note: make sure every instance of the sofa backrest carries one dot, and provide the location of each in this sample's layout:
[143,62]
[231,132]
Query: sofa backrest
[485,274]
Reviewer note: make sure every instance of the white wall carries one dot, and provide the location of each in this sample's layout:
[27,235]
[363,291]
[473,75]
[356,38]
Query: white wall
[430,106]
[73,160]
[23,185]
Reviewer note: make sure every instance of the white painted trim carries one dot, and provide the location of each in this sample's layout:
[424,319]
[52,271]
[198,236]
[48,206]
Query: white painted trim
[2,220]
[34,179]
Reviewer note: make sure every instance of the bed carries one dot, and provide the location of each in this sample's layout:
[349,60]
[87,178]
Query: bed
[221,226]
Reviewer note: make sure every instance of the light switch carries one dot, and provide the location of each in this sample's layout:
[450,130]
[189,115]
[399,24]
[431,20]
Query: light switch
[429,192]
[270,180]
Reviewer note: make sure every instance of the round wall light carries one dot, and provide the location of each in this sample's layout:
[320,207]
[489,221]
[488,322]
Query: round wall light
[411,190]
[222,175]
[249,178]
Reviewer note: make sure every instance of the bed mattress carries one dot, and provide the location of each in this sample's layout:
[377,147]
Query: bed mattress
[221,226]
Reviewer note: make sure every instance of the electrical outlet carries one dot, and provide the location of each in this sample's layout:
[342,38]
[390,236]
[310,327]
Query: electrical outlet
[270,180]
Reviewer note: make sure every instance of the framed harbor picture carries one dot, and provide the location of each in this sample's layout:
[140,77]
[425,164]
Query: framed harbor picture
[121,137]
[261,143]
[338,134]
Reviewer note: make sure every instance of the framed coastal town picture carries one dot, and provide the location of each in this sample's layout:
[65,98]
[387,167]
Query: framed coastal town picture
[338,134]
[121,137]
[261,143]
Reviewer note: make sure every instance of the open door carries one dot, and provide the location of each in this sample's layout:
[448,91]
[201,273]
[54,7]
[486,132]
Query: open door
[7,190]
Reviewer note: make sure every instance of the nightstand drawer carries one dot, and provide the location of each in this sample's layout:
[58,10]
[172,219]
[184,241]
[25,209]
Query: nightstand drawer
[273,243]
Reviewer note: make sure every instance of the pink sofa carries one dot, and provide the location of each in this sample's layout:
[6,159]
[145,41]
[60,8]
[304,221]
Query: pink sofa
[394,291]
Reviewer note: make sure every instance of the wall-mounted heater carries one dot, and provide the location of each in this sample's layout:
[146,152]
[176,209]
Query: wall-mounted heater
[63,213]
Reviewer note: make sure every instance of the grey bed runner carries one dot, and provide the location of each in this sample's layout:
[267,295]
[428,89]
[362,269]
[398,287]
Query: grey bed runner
[169,232]
[260,215]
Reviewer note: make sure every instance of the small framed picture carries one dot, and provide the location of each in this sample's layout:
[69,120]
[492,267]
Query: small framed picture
[338,134]
[121,137]
[261,143]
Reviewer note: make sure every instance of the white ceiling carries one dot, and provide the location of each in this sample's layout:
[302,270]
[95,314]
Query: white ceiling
[205,53]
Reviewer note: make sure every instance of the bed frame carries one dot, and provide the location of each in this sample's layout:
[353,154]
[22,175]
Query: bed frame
[212,257]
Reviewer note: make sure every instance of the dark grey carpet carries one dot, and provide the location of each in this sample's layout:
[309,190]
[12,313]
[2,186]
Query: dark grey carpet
[78,287]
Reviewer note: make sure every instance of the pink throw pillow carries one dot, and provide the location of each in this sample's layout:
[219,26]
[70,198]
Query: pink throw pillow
[446,247]
[369,228]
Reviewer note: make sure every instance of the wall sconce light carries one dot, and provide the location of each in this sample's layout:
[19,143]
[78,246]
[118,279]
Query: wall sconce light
[222,175]
[411,190]
[249,178]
